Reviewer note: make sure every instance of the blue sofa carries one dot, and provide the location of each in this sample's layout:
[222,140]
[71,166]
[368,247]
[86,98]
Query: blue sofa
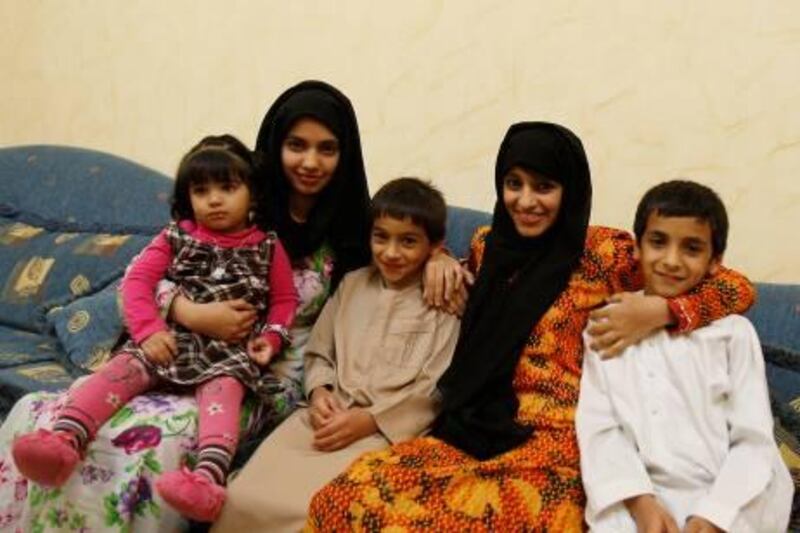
[71,219]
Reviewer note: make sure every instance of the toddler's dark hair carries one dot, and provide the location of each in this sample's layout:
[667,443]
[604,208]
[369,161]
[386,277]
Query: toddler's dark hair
[413,198]
[683,198]
[216,158]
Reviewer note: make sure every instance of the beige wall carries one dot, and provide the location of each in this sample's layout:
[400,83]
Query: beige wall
[662,89]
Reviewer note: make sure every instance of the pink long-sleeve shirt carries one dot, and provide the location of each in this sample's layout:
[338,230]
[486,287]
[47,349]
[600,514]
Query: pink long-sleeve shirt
[139,306]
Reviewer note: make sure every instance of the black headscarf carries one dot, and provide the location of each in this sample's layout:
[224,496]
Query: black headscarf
[341,215]
[519,280]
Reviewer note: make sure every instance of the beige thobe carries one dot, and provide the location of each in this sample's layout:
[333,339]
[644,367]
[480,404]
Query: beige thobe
[378,348]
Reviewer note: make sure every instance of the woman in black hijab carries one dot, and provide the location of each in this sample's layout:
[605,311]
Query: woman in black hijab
[504,454]
[519,280]
[334,212]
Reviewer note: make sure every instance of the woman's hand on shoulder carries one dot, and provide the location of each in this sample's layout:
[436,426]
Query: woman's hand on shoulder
[260,351]
[626,319]
[445,283]
[230,320]
[344,428]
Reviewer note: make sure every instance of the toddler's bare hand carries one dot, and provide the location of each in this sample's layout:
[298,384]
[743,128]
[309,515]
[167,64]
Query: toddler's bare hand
[160,348]
[260,351]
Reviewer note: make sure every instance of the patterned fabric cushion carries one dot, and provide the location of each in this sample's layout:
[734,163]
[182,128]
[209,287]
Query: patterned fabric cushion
[112,489]
[22,355]
[98,191]
[23,347]
[88,328]
[783,376]
[15,382]
[42,266]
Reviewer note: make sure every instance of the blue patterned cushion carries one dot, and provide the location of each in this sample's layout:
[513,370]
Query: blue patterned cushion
[42,267]
[22,347]
[783,376]
[88,328]
[18,381]
[98,191]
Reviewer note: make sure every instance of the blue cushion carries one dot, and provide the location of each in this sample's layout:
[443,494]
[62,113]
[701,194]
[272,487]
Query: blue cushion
[18,381]
[19,347]
[776,314]
[88,328]
[42,267]
[97,191]
[783,376]
[461,224]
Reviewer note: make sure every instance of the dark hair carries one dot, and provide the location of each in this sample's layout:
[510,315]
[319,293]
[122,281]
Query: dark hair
[683,198]
[415,199]
[216,158]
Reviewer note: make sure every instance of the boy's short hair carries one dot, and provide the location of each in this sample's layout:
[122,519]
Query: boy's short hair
[684,198]
[415,199]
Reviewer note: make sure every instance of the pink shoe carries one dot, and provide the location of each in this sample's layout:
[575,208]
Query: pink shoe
[45,457]
[191,494]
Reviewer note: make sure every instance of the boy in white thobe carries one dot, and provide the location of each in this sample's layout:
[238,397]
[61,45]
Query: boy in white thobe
[676,433]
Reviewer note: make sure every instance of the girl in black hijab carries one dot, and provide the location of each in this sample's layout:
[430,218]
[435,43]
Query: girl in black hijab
[518,282]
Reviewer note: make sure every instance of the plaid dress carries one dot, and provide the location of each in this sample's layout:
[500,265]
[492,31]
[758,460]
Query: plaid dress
[206,273]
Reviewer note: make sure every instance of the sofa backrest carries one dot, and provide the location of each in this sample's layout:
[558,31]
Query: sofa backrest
[71,220]
[461,224]
[83,189]
[776,315]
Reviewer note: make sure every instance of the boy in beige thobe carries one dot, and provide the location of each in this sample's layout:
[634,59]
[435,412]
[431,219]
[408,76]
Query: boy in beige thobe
[371,367]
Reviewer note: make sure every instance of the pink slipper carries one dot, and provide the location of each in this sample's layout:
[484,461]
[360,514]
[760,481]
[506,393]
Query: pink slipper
[45,457]
[191,494]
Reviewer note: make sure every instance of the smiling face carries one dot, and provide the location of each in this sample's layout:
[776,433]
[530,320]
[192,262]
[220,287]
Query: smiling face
[309,154]
[221,206]
[400,249]
[532,201]
[675,254]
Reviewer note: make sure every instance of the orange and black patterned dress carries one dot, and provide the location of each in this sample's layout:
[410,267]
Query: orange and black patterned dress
[427,485]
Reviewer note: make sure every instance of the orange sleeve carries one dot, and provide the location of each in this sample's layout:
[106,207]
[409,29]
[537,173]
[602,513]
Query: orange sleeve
[725,293]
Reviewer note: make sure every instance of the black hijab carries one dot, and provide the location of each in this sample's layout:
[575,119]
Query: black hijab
[341,215]
[519,280]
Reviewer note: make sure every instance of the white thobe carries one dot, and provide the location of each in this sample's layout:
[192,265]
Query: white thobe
[686,418]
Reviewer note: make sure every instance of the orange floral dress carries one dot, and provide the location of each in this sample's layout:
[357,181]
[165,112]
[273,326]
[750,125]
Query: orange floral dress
[427,485]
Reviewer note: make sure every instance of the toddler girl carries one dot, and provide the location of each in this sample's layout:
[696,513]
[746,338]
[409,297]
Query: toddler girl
[213,253]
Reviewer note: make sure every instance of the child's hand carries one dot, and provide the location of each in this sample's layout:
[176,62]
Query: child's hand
[627,319]
[324,405]
[650,515]
[259,351]
[695,524]
[160,348]
[344,428]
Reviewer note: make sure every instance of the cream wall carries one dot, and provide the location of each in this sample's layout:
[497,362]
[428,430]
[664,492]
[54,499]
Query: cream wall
[662,89]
